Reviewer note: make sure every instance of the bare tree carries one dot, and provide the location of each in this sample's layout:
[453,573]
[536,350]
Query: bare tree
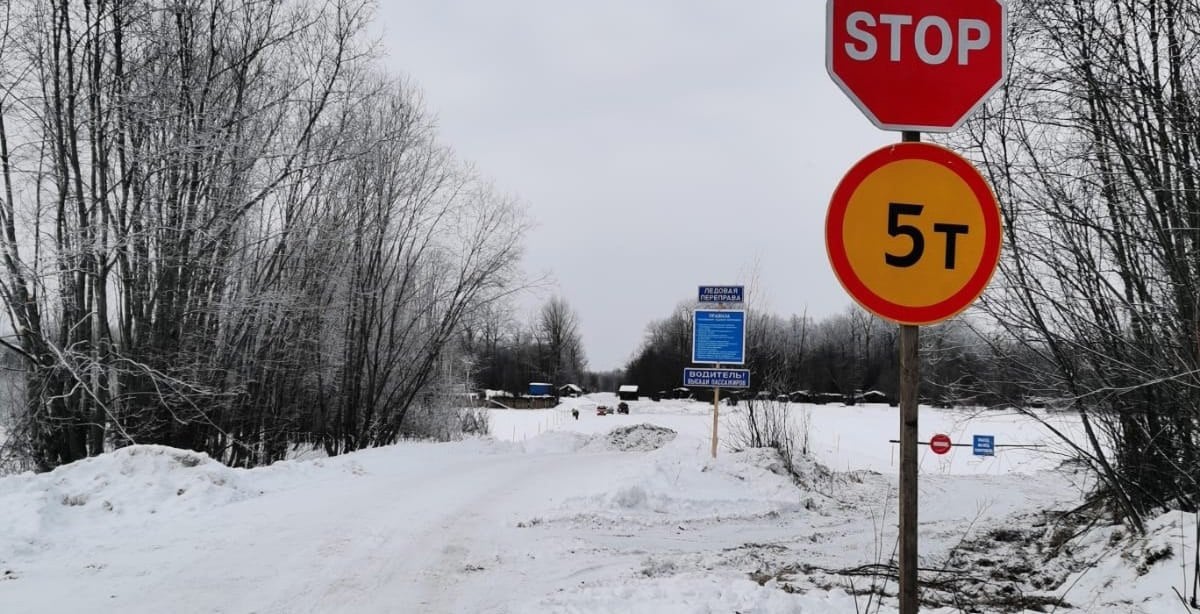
[1092,148]
[560,344]
[222,230]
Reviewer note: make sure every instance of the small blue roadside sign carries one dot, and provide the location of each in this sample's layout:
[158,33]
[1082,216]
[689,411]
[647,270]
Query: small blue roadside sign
[719,336]
[985,445]
[721,294]
[720,378]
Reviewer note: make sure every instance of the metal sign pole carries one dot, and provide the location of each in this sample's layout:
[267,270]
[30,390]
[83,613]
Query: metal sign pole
[910,375]
[910,380]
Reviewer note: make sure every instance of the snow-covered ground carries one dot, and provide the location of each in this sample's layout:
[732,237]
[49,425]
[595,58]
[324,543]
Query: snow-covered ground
[600,514]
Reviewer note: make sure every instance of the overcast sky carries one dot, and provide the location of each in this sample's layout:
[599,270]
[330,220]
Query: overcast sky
[659,144]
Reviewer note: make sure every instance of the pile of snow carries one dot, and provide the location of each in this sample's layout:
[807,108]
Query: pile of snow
[131,482]
[639,437]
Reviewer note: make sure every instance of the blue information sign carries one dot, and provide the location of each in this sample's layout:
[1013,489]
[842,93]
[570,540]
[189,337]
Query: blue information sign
[985,445]
[721,294]
[719,336]
[721,378]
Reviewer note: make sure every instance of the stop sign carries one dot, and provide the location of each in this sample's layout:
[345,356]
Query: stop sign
[940,443]
[920,65]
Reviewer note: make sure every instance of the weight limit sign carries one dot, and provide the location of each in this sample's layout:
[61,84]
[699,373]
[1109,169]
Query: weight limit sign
[913,233]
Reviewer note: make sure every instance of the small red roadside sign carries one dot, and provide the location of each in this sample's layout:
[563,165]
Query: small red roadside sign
[940,443]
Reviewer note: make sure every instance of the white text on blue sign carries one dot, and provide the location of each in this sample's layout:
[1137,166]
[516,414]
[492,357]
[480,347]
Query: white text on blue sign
[984,445]
[722,378]
[721,294]
[719,336]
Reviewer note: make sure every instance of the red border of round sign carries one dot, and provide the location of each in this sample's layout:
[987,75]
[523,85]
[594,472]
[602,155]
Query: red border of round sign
[939,438]
[836,249]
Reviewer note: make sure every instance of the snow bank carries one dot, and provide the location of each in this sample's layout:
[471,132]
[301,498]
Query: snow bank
[132,482]
[677,479]
[676,483]
[1123,569]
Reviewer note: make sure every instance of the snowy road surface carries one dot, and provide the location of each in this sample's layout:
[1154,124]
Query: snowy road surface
[571,516]
[381,534]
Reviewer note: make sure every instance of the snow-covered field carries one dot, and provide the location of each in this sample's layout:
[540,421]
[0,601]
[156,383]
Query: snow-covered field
[551,514]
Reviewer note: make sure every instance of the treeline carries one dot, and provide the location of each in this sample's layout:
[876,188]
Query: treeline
[504,354]
[845,354]
[223,228]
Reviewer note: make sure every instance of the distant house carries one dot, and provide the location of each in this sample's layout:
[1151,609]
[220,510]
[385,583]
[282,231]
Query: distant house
[681,393]
[569,390]
[800,396]
[627,392]
[509,400]
[540,389]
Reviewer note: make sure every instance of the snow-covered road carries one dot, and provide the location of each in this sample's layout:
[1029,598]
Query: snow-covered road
[374,533]
[603,514]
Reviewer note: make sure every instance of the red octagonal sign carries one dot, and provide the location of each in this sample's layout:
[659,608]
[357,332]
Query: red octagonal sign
[920,65]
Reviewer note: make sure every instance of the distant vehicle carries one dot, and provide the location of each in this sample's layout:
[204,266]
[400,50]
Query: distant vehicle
[623,408]
[602,410]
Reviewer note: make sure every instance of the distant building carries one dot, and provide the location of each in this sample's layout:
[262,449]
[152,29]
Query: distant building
[540,389]
[627,392]
[569,390]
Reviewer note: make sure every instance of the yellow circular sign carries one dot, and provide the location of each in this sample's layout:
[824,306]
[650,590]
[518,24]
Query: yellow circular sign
[913,233]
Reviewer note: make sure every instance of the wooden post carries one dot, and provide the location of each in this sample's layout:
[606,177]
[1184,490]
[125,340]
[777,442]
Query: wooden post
[716,409]
[910,381]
